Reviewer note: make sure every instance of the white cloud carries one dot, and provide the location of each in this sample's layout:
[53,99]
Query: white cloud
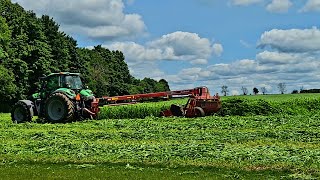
[217,49]
[311,5]
[130,2]
[136,52]
[199,62]
[245,2]
[101,19]
[177,46]
[174,46]
[189,75]
[245,44]
[279,6]
[292,40]
[146,69]
[190,71]
[243,67]
[275,58]
[235,92]
[183,46]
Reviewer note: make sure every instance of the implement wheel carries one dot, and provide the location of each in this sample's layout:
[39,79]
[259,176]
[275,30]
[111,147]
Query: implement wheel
[199,112]
[21,112]
[59,108]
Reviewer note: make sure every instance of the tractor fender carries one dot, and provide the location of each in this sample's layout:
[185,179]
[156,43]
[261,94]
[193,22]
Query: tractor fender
[29,105]
[70,96]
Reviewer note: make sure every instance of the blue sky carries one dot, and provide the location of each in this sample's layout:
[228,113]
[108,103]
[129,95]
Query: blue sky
[238,43]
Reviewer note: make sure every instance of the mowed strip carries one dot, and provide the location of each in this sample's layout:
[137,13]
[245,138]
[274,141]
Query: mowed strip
[267,142]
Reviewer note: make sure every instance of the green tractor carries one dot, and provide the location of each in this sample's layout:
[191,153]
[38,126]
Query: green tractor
[62,98]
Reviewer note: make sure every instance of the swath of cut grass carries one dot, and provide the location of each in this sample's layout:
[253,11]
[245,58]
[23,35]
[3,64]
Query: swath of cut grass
[273,142]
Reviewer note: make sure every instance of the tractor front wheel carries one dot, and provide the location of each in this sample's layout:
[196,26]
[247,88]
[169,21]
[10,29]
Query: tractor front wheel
[59,108]
[21,112]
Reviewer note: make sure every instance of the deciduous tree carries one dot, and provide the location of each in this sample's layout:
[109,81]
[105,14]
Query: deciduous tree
[244,90]
[224,90]
[282,87]
[263,90]
[255,91]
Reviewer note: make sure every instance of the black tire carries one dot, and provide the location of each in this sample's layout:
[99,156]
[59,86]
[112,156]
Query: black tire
[21,113]
[176,110]
[199,112]
[59,108]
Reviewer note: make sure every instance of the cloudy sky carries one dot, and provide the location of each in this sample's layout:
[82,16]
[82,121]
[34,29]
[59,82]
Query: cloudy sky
[238,43]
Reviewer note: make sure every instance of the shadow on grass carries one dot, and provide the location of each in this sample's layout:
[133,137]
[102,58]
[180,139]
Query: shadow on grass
[136,171]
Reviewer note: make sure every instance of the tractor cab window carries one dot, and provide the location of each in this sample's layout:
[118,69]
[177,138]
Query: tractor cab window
[73,82]
[53,82]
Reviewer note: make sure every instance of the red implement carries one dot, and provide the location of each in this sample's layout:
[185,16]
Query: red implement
[199,104]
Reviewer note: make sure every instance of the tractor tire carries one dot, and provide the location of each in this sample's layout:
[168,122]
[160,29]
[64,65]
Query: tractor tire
[59,108]
[199,112]
[22,112]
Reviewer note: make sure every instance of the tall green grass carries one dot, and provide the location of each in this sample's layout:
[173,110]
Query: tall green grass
[243,107]
[139,110]
[231,106]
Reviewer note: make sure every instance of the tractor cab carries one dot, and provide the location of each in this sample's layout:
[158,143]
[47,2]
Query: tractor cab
[63,81]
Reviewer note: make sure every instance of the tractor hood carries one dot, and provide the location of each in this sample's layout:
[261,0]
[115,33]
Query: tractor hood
[86,94]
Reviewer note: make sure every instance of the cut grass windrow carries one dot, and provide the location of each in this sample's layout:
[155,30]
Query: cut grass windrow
[252,142]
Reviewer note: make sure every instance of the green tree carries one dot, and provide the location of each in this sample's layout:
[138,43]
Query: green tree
[161,86]
[255,90]
[97,74]
[20,75]
[7,88]
[5,37]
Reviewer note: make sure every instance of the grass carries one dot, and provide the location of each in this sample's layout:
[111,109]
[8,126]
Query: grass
[275,97]
[139,110]
[105,171]
[273,146]
[293,104]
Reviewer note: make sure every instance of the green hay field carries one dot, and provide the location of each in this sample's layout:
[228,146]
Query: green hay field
[257,137]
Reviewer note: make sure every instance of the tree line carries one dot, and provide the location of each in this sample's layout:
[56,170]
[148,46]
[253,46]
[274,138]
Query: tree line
[32,46]
[281,87]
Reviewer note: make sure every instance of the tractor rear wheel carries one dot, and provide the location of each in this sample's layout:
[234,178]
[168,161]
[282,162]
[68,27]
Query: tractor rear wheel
[59,108]
[199,112]
[21,113]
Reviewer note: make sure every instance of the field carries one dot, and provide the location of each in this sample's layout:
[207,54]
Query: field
[255,137]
